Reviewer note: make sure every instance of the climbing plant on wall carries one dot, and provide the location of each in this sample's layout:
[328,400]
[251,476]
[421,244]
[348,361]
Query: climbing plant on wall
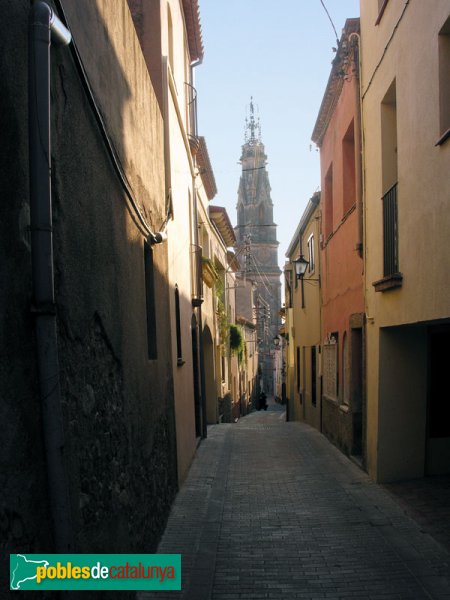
[222,317]
[237,343]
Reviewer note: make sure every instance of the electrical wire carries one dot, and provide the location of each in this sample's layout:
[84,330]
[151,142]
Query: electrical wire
[118,167]
[255,225]
[385,50]
[331,21]
[261,276]
[255,168]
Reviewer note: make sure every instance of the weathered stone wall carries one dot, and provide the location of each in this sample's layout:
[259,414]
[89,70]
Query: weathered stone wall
[118,405]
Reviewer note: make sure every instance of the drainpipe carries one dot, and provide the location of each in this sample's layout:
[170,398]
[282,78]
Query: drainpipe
[362,226]
[199,276]
[198,284]
[360,144]
[45,28]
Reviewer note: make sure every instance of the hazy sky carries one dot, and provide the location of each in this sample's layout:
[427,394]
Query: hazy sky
[280,53]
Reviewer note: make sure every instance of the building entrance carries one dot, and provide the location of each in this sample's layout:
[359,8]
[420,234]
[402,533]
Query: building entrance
[438,438]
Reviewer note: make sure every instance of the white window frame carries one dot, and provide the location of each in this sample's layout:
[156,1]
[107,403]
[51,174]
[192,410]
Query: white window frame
[311,254]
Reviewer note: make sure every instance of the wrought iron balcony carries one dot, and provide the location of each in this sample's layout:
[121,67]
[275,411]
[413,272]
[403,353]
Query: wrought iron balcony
[391,277]
[191,99]
[390,232]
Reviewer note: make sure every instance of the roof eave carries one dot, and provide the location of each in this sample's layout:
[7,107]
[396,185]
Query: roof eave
[307,214]
[194,29]
[221,220]
[334,85]
[206,171]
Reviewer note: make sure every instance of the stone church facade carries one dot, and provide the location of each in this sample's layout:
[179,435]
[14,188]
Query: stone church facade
[257,245]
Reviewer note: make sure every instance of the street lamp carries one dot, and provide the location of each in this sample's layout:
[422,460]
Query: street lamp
[300,264]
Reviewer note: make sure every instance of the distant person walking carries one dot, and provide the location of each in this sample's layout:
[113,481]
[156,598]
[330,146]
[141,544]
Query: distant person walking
[262,401]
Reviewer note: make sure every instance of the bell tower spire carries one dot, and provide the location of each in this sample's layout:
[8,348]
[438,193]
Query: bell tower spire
[256,232]
[252,127]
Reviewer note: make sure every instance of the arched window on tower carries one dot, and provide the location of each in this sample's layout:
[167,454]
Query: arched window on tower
[261,214]
[241,215]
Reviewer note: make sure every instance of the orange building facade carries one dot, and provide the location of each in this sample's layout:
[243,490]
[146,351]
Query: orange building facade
[337,134]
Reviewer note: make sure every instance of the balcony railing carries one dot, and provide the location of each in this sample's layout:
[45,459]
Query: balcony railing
[390,232]
[191,99]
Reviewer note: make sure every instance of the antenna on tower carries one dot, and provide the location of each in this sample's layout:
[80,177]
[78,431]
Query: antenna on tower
[252,134]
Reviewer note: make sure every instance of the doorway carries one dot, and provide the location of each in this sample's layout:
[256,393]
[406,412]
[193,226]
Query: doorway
[210,381]
[438,438]
[196,371]
[356,390]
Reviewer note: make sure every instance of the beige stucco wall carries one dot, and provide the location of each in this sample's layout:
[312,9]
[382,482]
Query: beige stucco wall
[244,295]
[411,59]
[213,248]
[180,229]
[132,89]
[289,350]
[305,332]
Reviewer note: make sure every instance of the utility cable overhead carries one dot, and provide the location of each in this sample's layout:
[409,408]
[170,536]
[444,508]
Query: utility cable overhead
[261,274]
[331,21]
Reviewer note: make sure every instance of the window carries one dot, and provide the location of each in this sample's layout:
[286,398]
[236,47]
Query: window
[150,302]
[205,242]
[348,168]
[180,360]
[261,215]
[390,232]
[389,181]
[288,288]
[389,137]
[311,253]
[298,369]
[329,202]
[241,215]
[444,82]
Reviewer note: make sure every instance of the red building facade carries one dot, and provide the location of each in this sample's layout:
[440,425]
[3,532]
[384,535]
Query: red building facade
[338,134]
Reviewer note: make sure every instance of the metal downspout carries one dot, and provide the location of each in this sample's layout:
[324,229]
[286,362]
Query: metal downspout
[45,27]
[199,314]
[199,283]
[359,137]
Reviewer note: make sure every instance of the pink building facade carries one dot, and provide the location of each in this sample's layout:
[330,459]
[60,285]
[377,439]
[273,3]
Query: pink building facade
[338,135]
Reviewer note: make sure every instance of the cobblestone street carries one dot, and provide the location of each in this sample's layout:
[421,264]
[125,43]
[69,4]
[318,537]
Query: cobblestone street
[272,510]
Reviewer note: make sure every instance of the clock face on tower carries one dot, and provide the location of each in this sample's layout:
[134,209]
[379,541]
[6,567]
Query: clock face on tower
[266,256]
[263,256]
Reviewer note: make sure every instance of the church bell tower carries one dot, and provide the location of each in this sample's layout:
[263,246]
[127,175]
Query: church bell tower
[257,245]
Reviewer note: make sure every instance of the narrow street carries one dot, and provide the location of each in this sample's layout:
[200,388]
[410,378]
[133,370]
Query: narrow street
[272,510]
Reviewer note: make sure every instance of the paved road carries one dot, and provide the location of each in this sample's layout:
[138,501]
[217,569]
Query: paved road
[271,510]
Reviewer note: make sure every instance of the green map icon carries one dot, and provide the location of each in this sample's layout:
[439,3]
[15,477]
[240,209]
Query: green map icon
[23,569]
